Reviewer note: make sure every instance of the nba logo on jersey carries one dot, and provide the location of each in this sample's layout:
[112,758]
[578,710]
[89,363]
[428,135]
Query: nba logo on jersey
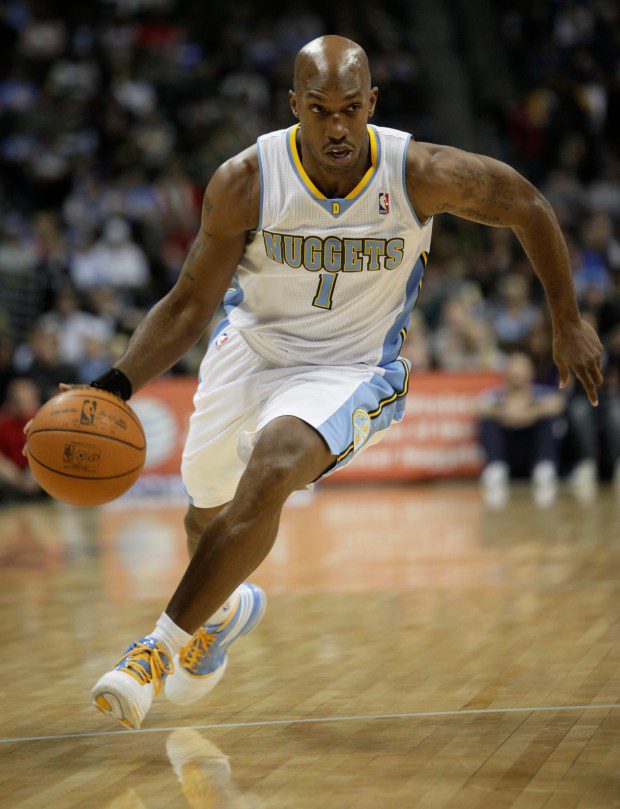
[223,338]
[384,202]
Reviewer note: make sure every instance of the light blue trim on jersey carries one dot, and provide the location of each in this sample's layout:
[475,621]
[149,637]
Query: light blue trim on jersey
[187,494]
[233,297]
[383,400]
[262,188]
[344,203]
[393,340]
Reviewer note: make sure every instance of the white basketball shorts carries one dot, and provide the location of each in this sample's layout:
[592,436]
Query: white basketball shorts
[239,392]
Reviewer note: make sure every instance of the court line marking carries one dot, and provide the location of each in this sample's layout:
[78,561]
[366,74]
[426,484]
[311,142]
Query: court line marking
[309,721]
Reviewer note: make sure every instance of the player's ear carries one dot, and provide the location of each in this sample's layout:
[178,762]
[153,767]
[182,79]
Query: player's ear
[292,100]
[372,101]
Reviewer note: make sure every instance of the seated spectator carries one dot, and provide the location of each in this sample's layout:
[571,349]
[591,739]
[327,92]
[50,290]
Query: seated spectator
[590,268]
[464,342]
[538,346]
[46,368]
[515,315]
[73,327]
[7,370]
[97,359]
[16,479]
[595,431]
[416,347]
[115,260]
[519,435]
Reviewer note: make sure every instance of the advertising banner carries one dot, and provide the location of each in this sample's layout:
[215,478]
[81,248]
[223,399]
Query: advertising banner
[436,439]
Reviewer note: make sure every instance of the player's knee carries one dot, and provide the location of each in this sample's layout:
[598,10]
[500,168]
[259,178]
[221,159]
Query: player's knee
[274,476]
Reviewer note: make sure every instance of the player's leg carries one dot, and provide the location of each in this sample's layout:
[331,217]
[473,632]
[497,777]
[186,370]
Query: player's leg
[288,455]
[196,522]
[201,663]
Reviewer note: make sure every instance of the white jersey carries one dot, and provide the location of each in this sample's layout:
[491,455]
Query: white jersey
[330,281]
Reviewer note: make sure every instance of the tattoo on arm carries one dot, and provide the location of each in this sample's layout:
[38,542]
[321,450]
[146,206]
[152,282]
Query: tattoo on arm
[481,191]
[197,247]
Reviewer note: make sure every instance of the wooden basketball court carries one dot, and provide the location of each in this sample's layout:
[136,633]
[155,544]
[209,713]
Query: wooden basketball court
[418,651]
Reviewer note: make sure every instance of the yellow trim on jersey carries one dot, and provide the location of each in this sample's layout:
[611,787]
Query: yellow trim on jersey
[424,255]
[382,404]
[312,187]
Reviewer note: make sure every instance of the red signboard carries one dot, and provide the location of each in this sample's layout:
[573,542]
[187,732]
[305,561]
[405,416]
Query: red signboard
[436,439]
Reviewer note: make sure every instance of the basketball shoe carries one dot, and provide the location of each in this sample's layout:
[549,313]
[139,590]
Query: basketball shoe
[126,692]
[200,665]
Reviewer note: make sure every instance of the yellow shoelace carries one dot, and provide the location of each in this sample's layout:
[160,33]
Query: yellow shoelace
[191,656]
[158,660]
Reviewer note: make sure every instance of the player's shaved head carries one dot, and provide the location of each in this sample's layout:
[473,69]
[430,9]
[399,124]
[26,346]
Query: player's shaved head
[333,101]
[331,60]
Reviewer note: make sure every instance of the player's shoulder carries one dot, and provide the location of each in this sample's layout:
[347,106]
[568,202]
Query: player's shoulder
[234,190]
[424,158]
[242,171]
[240,168]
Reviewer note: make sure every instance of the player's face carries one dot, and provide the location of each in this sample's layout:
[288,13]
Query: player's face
[333,122]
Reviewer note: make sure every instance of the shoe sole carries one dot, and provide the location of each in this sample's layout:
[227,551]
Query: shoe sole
[116,707]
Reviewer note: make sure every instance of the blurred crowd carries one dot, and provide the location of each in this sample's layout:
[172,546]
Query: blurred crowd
[114,114]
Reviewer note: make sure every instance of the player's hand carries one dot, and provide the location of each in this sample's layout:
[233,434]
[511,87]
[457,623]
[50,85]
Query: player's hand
[576,348]
[66,386]
[63,386]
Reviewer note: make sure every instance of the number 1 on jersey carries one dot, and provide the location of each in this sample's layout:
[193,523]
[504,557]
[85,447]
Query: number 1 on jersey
[325,291]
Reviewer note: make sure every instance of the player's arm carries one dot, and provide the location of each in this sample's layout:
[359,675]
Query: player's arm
[441,179]
[230,209]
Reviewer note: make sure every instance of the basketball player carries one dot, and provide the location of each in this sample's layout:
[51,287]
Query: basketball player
[316,238]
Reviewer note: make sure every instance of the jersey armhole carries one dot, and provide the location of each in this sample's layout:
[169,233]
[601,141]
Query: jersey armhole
[262,186]
[404,186]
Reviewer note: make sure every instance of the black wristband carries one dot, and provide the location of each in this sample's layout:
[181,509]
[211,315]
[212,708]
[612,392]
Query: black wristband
[114,381]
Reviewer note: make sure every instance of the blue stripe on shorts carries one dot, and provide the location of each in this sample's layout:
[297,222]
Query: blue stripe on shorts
[374,404]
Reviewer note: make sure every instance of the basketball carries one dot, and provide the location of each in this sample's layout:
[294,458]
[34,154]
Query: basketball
[86,447]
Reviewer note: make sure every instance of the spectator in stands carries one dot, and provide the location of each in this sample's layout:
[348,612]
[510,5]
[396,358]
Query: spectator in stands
[515,315]
[416,347]
[595,432]
[114,261]
[16,479]
[590,269]
[73,327]
[519,433]
[464,342]
[45,368]
[97,359]
[7,369]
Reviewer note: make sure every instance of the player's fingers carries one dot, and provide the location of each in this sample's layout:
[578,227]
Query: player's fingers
[27,427]
[588,385]
[597,375]
[564,374]
[64,386]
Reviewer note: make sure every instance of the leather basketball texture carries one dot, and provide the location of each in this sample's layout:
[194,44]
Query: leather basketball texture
[86,447]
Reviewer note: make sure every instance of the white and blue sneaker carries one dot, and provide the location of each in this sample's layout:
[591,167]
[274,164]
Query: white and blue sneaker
[200,665]
[126,692]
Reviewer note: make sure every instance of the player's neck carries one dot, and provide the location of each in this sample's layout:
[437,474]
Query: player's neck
[335,185]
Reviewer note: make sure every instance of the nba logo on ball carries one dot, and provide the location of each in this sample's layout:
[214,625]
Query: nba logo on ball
[361,428]
[223,338]
[384,202]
